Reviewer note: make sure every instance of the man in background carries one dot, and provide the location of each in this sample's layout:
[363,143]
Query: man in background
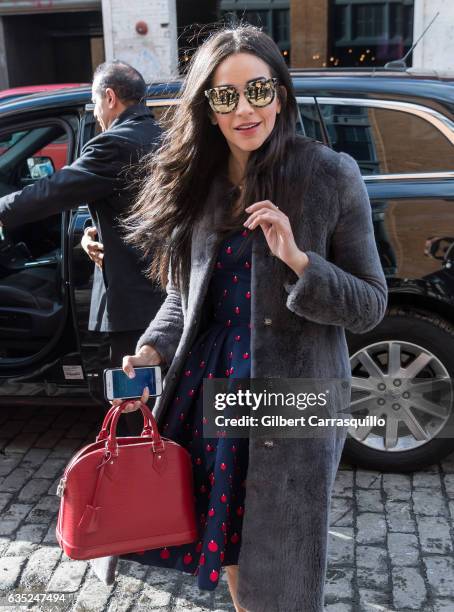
[123,300]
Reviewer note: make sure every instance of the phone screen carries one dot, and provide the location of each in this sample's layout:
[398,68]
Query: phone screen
[122,386]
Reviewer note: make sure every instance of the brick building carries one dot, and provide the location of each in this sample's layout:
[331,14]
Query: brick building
[57,41]
[350,32]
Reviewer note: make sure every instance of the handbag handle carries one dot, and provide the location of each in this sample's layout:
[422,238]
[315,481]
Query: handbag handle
[157,443]
[102,435]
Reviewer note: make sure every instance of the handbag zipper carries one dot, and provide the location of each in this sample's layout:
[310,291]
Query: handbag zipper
[62,483]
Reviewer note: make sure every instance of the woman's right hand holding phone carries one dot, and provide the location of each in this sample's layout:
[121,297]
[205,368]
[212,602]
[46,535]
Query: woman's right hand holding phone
[147,355]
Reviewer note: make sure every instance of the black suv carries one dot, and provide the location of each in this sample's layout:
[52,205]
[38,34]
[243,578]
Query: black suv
[398,126]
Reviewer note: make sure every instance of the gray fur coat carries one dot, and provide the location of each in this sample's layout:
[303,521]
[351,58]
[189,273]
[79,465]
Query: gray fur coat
[297,331]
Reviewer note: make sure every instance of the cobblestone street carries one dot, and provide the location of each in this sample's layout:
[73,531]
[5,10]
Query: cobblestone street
[391,534]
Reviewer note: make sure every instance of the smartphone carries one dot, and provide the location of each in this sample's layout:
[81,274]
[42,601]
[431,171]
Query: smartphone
[117,385]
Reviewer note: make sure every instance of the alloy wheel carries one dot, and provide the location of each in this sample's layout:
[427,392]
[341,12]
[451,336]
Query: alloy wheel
[407,386]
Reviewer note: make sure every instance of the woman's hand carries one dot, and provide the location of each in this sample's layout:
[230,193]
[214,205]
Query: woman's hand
[278,233]
[133,405]
[146,356]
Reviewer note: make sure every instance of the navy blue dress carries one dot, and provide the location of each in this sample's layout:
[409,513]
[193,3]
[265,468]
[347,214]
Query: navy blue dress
[219,464]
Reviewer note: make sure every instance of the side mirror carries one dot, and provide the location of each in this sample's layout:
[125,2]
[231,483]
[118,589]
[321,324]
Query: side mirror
[40,167]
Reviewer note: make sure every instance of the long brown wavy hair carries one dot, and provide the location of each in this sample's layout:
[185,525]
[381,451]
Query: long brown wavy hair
[193,151]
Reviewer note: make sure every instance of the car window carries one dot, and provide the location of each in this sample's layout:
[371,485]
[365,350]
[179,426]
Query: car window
[9,140]
[311,121]
[308,116]
[38,152]
[387,141]
[163,114]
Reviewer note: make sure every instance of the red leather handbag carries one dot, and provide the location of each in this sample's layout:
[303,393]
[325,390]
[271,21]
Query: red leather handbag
[126,494]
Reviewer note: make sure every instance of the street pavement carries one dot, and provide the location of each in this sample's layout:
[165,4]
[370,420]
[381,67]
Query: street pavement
[391,535]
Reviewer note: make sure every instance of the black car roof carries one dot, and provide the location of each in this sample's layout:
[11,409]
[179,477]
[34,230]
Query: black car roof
[329,81]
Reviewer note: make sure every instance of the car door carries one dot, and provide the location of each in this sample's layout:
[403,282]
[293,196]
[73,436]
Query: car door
[402,370]
[33,274]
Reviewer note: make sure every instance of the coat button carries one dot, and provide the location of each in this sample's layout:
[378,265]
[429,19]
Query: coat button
[268,443]
[174,376]
[268,321]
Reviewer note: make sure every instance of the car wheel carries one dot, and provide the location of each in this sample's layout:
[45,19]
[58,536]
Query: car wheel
[402,373]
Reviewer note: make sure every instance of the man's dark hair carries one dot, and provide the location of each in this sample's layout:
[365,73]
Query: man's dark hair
[126,81]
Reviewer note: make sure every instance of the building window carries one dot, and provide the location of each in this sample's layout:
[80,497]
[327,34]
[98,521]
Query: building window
[370,33]
[281,23]
[400,21]
[340,23]
[275,22]
[396,20]
[368,20]
[258,18]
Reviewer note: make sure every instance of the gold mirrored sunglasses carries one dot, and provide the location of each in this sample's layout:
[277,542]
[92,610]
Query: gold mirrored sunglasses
[259,92]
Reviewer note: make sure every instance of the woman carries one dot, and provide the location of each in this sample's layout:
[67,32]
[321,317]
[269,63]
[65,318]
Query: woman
[268,240]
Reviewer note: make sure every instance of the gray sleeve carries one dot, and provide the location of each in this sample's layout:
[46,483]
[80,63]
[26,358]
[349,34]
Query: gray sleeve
[165,330]
[350,290]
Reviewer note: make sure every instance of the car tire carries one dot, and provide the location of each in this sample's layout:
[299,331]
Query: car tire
[410,334]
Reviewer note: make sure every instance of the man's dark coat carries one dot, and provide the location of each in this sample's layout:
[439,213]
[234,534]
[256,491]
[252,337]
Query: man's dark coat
[122,298]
